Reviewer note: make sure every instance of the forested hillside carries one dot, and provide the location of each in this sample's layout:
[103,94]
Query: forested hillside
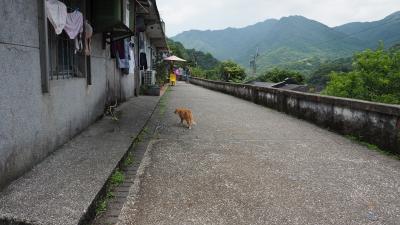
[293,42]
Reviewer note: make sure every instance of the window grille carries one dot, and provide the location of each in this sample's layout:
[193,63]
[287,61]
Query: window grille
[64,62]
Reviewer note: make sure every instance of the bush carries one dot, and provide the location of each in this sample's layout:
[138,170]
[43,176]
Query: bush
[278,75]
[376,77]
[231,71]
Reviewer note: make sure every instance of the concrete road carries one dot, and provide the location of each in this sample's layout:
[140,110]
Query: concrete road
[247,164]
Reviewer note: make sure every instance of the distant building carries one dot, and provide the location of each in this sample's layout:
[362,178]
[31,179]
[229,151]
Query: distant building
[50,90]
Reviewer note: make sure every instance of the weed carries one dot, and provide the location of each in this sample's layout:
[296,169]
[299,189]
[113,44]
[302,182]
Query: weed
[145,130]
[372,146]
[110,195]
[163,102]
[117,178]
[101,206]
[128,160]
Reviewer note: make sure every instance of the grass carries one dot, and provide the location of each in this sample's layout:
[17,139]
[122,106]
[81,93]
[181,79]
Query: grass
[128,160]
[101,206]
[164,102]
[116,179]
[372,146]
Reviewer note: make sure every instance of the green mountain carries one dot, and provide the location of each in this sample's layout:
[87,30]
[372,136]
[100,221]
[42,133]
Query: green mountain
[291,41]
[386,30]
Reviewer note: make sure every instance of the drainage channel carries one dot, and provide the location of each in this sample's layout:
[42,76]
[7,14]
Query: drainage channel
[108,207]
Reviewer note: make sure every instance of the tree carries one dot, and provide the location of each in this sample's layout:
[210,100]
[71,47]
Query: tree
[321,76]
[278,75]
[231,71]
[376,77]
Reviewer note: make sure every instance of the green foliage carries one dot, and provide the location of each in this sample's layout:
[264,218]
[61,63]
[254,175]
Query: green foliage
[128,160]
[101,206]
[211,74]
[194,58]
[161,73]
[203,60]
[117,178]
[202,65]
[177,49]
[321,75]
[163,103]
[198,72]
[231,71]
[289,42]
[376,77]
[372,147]
[278,75]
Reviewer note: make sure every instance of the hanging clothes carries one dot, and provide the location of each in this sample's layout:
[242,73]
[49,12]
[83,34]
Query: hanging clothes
[78,43]
[143,61]
[74,25]
[120,51]
[123,61]
[57,14]
[131,59]
[117,49]
[88,38]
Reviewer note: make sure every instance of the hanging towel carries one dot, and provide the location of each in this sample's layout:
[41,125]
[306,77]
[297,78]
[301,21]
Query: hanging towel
[74,25]
[57,14]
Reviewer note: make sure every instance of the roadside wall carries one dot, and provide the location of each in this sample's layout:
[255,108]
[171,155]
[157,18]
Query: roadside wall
[34,124]
[374,123]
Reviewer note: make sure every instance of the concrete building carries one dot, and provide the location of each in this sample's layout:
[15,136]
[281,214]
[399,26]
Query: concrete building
[49,94]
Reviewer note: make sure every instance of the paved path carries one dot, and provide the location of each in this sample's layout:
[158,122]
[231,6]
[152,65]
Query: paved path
[247,164]
[61,189]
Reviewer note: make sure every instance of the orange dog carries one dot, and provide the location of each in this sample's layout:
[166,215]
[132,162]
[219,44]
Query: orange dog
[186,115]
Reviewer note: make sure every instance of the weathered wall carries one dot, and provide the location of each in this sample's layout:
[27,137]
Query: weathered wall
[372,122]
[34,124]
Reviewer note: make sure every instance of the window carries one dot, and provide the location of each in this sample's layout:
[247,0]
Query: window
[57,54]
[64,62]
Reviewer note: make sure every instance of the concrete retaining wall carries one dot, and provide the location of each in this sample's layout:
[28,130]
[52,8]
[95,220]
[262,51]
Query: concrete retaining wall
[374,123]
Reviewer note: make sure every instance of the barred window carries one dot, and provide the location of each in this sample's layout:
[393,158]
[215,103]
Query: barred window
[64,62]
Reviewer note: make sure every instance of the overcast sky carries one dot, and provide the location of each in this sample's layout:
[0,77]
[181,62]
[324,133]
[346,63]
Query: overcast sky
[182,15]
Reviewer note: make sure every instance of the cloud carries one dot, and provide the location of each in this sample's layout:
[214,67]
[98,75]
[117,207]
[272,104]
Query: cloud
[181,15]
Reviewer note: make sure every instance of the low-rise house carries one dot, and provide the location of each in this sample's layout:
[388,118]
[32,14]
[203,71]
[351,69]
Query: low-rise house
[53,86]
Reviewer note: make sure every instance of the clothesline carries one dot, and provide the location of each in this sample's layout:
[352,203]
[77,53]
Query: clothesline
[72,23]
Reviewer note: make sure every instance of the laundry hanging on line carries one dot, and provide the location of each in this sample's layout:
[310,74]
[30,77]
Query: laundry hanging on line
[57,14]
[74,24]
[88,38]
[120,50]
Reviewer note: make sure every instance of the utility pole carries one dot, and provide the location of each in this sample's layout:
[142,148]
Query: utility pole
[253,62]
